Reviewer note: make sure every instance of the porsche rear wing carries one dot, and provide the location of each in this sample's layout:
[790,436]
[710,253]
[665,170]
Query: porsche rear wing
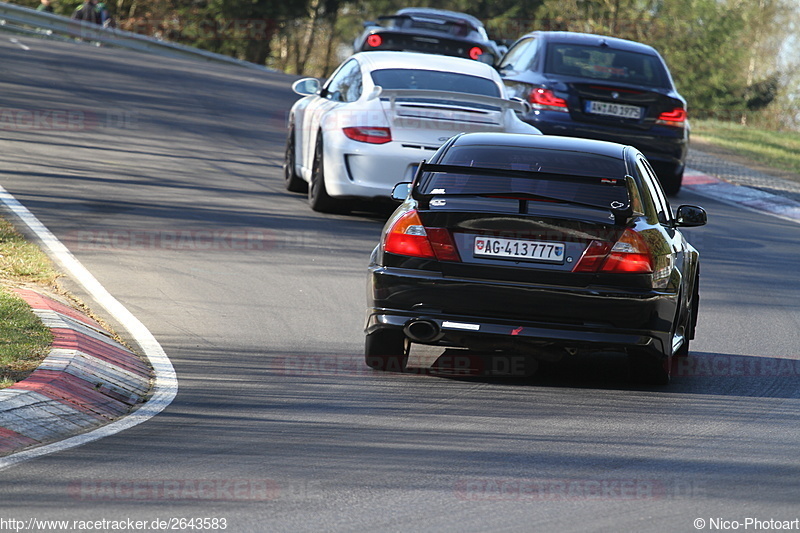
[445,97]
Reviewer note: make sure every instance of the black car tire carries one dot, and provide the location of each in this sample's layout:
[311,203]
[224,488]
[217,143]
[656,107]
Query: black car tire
[691,321]
[672,180]
[386,350]
[292,181]
[318,197]
[649,369]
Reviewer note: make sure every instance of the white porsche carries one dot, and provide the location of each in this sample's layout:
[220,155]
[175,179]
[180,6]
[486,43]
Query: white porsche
[379,115]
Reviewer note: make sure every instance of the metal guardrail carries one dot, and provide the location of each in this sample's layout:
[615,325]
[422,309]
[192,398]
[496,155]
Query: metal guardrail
[24,16]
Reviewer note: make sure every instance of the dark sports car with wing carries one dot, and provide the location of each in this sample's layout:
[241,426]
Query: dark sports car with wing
[433,31]
[537,245]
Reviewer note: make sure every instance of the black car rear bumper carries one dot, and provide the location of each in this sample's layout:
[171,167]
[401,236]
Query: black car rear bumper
[660,144]
[509,315]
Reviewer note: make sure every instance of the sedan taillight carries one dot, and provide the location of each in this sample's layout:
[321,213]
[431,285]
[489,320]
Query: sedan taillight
[630,254]
[675,118]
[546,99]
[372,135]
[407,236]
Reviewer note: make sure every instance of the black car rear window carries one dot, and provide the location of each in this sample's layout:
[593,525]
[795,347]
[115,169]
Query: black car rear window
[605,64]
[552,175]
[456,28]
[432,80]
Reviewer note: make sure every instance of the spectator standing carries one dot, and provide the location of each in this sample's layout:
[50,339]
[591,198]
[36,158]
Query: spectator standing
[45,6]
[88,12]
[105,15]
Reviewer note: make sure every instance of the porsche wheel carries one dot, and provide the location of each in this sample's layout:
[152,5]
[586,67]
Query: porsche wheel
[318,197]
[292,181]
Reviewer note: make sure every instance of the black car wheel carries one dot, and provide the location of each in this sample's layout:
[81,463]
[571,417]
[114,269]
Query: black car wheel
[292,181]
[386,350]
[649,369]
[690,322]
[318,197]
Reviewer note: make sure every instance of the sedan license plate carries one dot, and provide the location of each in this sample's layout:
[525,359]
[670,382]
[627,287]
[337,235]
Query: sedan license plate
[611,109]
[551,252]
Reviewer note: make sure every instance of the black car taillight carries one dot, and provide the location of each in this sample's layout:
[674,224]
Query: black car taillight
[630,254]
[407,236]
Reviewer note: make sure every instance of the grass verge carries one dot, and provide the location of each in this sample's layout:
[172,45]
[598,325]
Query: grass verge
[24,340]
[780,150]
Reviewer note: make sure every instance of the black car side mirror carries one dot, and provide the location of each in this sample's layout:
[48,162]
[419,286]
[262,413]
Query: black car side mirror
[689,216]
[401,191]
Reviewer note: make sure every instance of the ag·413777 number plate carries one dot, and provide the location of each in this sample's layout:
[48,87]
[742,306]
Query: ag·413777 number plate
[519,249]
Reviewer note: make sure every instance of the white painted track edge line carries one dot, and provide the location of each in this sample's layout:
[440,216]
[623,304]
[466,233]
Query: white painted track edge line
[166,383]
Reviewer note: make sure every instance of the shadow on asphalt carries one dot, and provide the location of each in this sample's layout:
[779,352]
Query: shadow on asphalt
[700,373]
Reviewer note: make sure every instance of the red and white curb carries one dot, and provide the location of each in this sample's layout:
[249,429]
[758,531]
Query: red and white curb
[88,379]
[164,382]
[741,196]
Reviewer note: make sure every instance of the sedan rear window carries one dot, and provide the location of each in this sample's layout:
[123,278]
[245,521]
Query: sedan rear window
[605,64]
[432,80]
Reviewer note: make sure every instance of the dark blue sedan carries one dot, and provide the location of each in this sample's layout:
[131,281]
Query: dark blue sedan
[596,87]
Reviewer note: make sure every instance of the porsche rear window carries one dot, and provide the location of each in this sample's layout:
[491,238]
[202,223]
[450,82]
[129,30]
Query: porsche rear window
[434,80]
[605,64]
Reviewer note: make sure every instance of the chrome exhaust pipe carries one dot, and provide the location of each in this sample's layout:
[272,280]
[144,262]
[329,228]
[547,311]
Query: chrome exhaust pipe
[423,330]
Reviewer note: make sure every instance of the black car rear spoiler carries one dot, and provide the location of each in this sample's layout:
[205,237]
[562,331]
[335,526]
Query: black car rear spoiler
[436,19]
[621,211]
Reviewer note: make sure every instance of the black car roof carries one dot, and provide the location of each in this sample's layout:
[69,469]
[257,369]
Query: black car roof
[592,40]
[549,142]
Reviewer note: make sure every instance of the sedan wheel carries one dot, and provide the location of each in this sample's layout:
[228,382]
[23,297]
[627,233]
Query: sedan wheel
[386,350]
[671,181]
[292,181]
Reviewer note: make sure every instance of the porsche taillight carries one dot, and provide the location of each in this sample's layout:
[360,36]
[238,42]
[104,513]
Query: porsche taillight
[407,236]
[630,254]
[371,135]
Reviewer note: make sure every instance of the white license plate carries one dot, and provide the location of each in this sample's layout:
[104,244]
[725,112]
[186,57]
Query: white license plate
[552,252]
[613,110]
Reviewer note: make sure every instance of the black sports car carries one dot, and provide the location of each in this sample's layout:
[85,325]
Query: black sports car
[597,87]
[433,31]
[536,245]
